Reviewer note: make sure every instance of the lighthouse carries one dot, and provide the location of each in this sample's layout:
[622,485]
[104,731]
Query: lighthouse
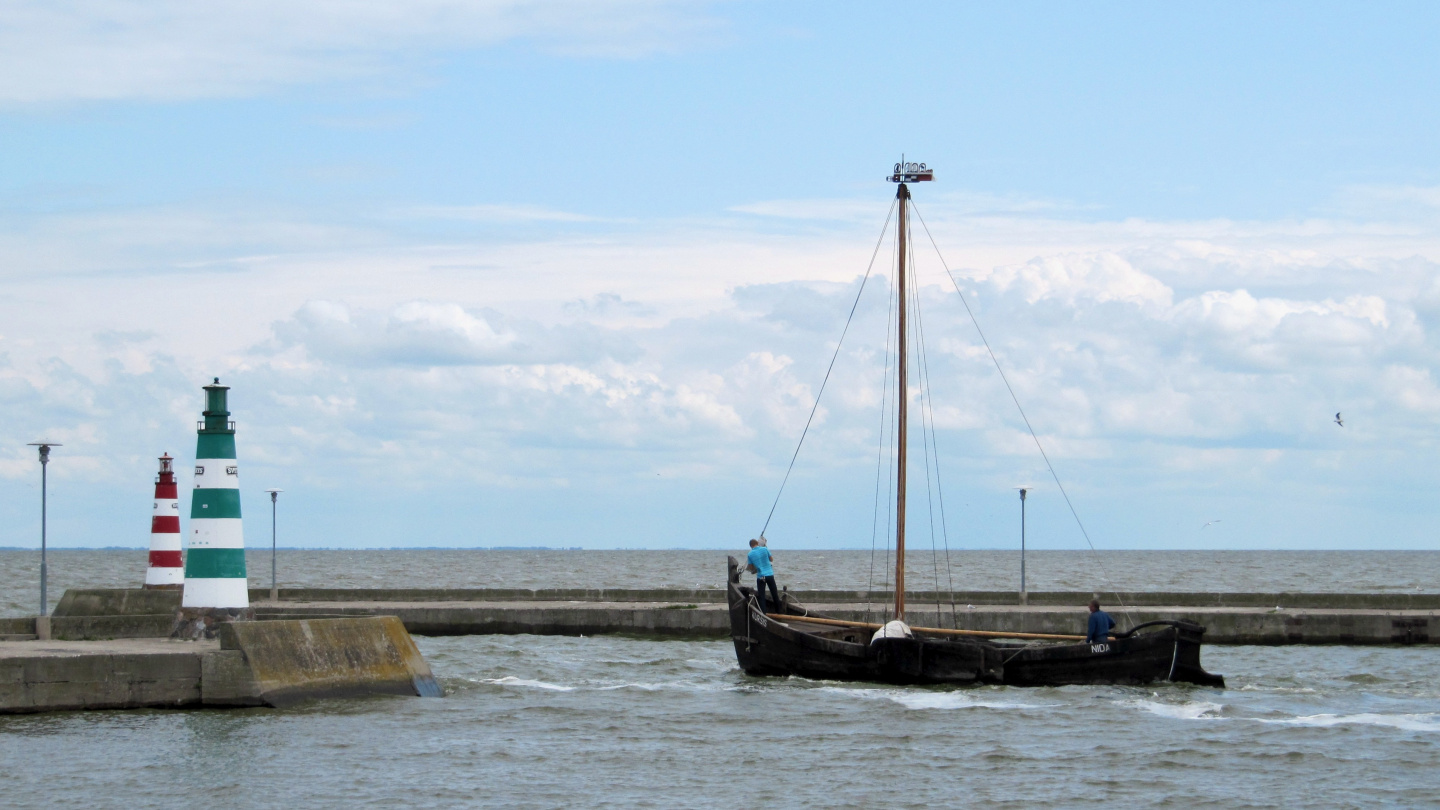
[215,563]
[166,571]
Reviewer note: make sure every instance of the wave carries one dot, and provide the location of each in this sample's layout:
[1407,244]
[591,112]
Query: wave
[511,680]
[684,686]
[1204,710]
[1405,722]
[591,686]
[1192,710]
[920,700]
[1283,690]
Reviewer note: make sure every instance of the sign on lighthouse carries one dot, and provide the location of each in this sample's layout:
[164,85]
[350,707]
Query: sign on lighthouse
[215,562]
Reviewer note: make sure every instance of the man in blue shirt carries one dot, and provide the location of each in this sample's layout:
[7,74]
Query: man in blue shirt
[1098,631]
[759,560]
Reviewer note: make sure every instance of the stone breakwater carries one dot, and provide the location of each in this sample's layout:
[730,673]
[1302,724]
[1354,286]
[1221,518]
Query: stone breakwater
[271,663]
[1229,618]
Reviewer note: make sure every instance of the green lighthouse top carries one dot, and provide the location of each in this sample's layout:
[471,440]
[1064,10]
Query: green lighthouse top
[217,409]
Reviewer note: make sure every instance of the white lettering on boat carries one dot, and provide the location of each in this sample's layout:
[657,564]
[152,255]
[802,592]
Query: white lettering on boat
[1099,648]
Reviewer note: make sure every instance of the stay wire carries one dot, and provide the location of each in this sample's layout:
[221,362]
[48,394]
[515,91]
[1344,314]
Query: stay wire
[829,369]
[925,439]
[928,409]
[891,484]
[1014,398]
[880,458]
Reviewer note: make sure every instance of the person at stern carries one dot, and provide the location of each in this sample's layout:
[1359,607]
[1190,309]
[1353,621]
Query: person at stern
[1098,630]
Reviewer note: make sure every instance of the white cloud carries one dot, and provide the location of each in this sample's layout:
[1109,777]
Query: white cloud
[1100,277]
[168,49]
[1150,356]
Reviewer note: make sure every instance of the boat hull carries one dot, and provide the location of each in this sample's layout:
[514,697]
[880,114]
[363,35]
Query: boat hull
[1170,651]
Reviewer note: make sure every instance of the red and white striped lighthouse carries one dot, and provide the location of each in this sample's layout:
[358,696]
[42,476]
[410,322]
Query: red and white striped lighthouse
[167,569]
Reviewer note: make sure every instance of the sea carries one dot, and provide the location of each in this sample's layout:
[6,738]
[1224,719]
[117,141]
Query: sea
[614,721]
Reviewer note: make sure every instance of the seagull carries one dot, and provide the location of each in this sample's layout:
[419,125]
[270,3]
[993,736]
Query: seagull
[1338,420]
[1213,521]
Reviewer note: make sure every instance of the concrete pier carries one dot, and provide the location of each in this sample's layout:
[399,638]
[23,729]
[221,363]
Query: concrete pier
[38,676]
[275,663]
[1223,625]
[1229,618]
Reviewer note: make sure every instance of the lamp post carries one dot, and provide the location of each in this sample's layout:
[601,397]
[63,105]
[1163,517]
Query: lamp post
[44,465]
[274,589]
[1024,597]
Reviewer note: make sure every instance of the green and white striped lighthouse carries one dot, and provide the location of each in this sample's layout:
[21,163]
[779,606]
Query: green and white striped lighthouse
[215,561]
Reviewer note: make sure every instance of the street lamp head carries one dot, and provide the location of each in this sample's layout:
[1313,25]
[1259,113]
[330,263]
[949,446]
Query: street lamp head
[44,449]
[274,494]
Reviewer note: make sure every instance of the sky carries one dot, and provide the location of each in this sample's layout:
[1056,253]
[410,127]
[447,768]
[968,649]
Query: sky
[506,273]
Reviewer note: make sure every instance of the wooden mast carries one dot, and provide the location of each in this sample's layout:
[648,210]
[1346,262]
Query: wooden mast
[904,173]
[903,405]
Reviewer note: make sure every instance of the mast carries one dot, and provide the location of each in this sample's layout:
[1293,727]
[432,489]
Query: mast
[903,392]
[904,172]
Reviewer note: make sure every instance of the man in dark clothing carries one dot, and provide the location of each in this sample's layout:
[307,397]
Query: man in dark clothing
[1098,631]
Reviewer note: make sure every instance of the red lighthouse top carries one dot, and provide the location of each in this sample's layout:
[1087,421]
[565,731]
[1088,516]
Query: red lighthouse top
[167,470]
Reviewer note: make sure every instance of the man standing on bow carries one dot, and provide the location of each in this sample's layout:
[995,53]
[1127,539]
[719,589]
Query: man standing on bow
[759,560]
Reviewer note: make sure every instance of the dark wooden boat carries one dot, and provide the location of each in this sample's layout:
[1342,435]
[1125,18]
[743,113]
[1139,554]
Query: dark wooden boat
[792,642]
[795,640]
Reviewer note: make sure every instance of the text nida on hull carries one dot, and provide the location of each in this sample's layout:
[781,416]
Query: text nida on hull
[795,640]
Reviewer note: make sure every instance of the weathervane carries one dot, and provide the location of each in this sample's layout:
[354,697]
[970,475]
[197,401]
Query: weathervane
[910,172]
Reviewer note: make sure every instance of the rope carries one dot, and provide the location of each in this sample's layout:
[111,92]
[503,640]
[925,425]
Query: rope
[892,485]
[928,432]
[1015,399]
[829,369]
[880,465]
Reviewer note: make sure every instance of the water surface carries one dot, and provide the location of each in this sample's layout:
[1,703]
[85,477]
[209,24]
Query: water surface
[619,722]
[1326,571]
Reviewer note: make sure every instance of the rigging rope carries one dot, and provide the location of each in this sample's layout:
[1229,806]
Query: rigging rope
[829,369]
[927,409]
[891,485]
[1016,399]
[880,458]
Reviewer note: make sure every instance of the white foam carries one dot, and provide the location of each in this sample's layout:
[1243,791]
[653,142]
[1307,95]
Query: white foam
[682,686]
[1406,722]
[1193,710]
[920,700]
[511,680]
[1284,690]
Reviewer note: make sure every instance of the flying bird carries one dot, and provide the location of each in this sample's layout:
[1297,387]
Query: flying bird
[1213,521]
[1338,420]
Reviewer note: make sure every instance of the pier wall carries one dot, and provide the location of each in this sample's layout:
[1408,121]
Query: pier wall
[275,663]
[1368,601]
[1223,625]
[134,601]
[37,676]
[1229,618]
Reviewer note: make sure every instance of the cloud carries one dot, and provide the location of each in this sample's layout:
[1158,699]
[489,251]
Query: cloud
[164,50]
[1152,357]
[428,334]
[1101,277]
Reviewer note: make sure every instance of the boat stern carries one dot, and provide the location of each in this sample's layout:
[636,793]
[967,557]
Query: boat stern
[1187,668]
